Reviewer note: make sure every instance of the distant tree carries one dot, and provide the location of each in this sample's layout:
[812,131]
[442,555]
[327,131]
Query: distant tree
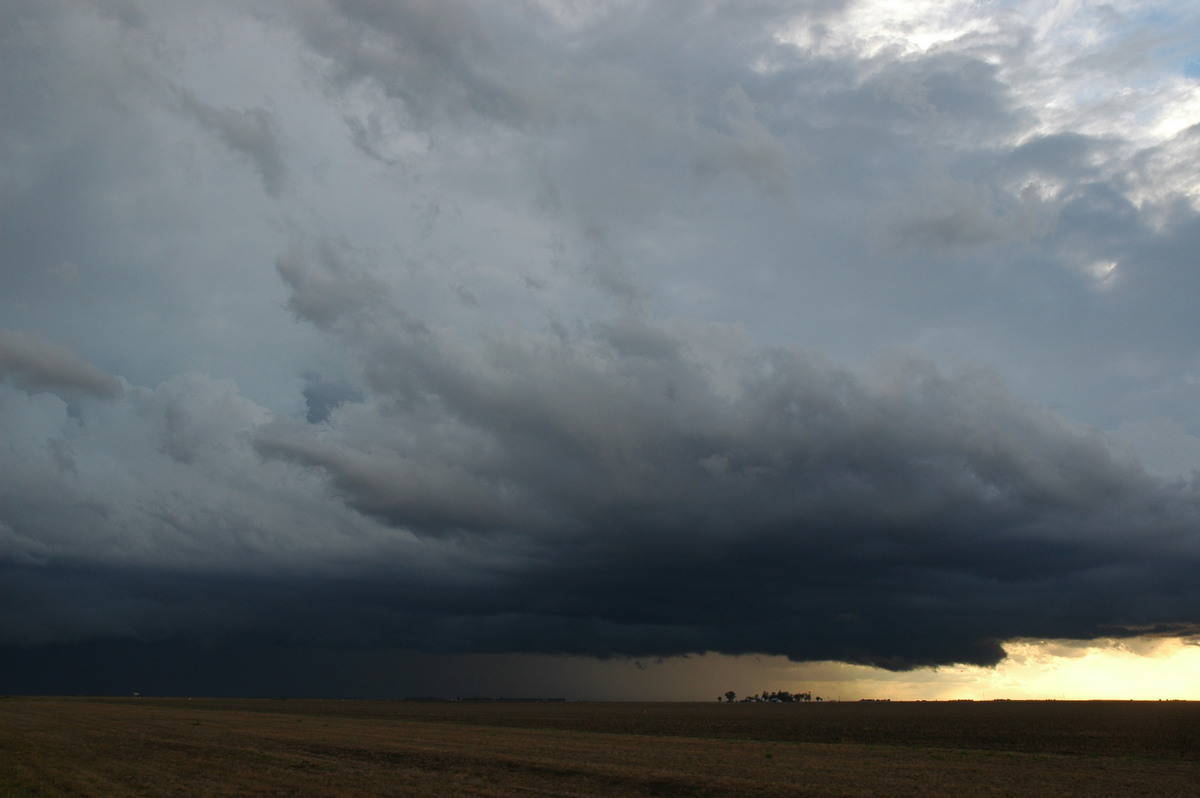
[730,696]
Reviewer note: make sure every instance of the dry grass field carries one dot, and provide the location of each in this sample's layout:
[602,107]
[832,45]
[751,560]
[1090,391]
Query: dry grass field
[210,747]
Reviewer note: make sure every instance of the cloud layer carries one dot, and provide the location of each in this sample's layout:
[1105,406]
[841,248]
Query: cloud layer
[613,329]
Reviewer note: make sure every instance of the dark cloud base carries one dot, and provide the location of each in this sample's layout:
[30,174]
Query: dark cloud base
[245,671]
[617,492]
[624,491]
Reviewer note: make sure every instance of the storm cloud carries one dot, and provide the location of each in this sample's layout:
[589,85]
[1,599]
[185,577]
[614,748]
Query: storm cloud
[613,329]
[677,490]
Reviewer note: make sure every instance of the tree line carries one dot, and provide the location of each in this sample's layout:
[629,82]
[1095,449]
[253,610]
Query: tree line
[777,697]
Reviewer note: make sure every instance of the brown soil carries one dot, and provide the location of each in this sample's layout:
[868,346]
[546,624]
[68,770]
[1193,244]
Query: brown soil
[146,747]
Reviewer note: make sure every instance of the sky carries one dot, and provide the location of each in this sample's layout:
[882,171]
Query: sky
[600,348]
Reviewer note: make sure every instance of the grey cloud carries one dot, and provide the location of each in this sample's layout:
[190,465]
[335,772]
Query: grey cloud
[1059,154]
[955,97]
[163,478]
[749,147]
[40,364]
[903,518]
[433,57]
[252,132]
[104,180]
[1160,167]
[970,222]
[515,66]
[322,397]
[638,89]
[318,295]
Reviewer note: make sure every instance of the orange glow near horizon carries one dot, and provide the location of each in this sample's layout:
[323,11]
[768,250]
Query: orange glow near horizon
[1146,669]
[1134,669]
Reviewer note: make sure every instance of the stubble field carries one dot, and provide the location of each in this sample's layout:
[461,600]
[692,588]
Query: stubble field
[219,747]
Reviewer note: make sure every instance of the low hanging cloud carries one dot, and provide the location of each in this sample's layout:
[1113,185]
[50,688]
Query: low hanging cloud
[630,488]
[635,488]
[630,493]
[40,364]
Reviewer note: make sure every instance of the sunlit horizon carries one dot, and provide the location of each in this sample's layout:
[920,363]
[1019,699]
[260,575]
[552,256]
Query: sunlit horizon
[1144,669]
[1139,669]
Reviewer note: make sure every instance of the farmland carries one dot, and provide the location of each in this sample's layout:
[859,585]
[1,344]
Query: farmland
[217,747]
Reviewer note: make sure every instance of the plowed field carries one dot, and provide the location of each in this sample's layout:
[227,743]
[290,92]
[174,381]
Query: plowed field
[150,747]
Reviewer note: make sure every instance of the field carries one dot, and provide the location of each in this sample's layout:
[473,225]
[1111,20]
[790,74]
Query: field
[211,747]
